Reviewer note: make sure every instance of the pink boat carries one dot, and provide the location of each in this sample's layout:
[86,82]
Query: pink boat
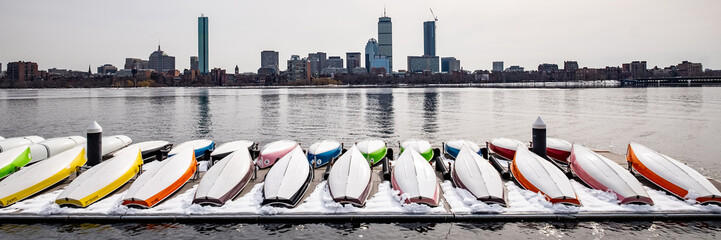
[271,152]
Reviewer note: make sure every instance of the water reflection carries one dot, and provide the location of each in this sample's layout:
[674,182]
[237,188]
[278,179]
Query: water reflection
[269,104]
[380,114]
[204,122]
[430,120]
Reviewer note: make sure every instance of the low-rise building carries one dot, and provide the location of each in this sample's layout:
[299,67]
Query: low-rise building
[417,64]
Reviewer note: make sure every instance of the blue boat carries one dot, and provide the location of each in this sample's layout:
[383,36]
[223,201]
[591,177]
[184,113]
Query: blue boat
[453,147]
[198,146]
[321,153]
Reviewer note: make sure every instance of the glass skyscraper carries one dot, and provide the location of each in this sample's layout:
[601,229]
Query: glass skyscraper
[385,39]
[203,44]
[429,38]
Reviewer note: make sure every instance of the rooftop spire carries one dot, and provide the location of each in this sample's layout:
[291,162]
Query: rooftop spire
[384,11]
[158,47]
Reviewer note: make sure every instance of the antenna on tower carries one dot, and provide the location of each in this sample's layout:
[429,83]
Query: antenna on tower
[434,15]
[384,11]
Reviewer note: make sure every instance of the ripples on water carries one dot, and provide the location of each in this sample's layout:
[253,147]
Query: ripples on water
[680,122]
[530,230]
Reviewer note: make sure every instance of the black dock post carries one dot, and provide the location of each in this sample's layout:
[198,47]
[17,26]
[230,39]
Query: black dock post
[95,144]
[539,138]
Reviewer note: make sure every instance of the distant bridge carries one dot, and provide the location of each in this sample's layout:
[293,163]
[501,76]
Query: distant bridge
[672,81]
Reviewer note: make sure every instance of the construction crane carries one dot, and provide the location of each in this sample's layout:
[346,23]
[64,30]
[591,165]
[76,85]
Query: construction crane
[434,15]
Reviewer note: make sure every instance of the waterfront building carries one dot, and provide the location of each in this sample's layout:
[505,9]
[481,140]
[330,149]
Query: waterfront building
[687,69]
[445,63]
[360,70]
[454,65]
[161,61]
[498,66]
[194,63]
[317,62]
[22,71]
[423,63]
[237,70]
[218,77]
[371,51]
[380,65]
[515,69]
[570,65]
[429,38]
[107,69]
[636,69]
[353,60]
[298,69]
[269,59]
[334,62]
[203,44]
[547,67]
[331,71]
[385,39]
[136,63]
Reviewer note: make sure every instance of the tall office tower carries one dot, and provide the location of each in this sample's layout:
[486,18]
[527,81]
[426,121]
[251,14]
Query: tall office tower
[353,60]
[429,38]
[371,51]
[194,63]
[498,66]
[385,39]
[269,59]
[203,44]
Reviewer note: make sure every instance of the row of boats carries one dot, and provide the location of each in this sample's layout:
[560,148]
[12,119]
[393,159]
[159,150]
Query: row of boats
[31,164]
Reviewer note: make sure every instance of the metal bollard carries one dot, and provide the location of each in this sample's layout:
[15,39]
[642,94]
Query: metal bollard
[94,144]
[539,138]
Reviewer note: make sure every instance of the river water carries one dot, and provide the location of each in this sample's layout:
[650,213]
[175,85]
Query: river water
[680,122]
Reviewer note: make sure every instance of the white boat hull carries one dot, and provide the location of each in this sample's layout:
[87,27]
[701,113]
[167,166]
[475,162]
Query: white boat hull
[225,179]
[349,180]
[475,174]
[415,179]
[288,179]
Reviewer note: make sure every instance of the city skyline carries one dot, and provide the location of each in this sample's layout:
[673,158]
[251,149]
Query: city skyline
[523,33]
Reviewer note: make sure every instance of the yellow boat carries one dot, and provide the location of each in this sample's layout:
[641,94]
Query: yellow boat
[31,180]
[101,180]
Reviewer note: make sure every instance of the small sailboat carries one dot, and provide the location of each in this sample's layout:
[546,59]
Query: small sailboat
[321,153]
[373,150]
[33,179]
[415,179]
[558,149]
[537,174]
[672,175]
[452,148]
[199,147]
[603,174]
[225,179]
[475,174]
[505,147]
[102,179]
[349,180]
[288,179]
[271,152]
[155,185]
[421,146]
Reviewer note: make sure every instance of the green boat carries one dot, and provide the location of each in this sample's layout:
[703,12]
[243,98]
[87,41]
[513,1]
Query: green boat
[373,150]
[421,146]
[13,159]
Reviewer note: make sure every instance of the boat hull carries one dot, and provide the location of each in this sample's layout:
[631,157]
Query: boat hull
[226,149]
[536,174]
[452,148]
[225,179]
[373,150]
[415,179]
[558,149]
[349,180]
[603,174]
[101,180]
[321,153]
[287,181]
[13,159]
[272,152]
[671,175]
[199,147]
[475,174]
[31,180]
[421,146]
[10,143]
[505,147]
[154,186]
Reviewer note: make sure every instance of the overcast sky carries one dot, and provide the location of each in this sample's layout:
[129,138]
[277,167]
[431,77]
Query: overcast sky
[75,34]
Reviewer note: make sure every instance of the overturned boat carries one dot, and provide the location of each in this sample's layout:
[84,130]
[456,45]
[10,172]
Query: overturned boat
[558,149]
[421,146]
[148,149]
[505,147]
[228,148]
[452,148]
[225,179]
[373,150]
[33,179]
[349,180]
[200,147]
[10,143]
[415,179]
[321,153]
[537,174]
[272,152]
[16,158]
[671,175]
[603,174]
[288,179]
[101,180]
[475,174]
[155,185]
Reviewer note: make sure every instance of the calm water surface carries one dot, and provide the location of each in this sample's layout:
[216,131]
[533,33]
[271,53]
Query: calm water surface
[680,122]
